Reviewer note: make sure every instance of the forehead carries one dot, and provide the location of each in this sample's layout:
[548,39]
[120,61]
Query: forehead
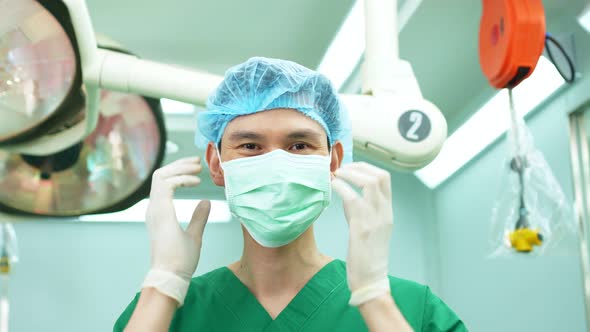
[276,121]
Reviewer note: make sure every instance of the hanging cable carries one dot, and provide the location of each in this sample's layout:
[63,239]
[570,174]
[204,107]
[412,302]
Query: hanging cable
[571,78]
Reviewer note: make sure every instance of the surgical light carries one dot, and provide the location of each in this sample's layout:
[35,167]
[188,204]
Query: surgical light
[87,69]
[108,171]
[37,70]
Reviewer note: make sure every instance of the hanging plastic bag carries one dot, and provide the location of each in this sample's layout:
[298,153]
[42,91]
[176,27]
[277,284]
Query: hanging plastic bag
[8,248]
[531,215]
[8,256]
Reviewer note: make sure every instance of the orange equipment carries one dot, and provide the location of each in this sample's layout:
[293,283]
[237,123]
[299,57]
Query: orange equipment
[511,40]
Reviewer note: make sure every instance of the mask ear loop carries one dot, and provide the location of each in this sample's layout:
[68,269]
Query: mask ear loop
[219,157]
[330,164]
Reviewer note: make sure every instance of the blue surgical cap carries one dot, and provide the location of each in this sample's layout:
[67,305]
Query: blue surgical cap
[261,84]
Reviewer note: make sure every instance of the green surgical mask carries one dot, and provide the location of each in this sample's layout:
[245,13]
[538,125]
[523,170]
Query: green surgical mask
[277,195]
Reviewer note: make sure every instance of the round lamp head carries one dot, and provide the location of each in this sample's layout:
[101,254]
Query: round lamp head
[38,69]
[108,171]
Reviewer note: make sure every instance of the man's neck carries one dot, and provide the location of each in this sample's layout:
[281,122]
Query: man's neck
[272,271]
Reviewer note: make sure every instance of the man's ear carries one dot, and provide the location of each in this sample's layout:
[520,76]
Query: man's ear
[214,165]
[337,156]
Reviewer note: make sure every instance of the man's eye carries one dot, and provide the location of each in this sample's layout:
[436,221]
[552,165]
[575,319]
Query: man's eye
[299,146]
[249,146]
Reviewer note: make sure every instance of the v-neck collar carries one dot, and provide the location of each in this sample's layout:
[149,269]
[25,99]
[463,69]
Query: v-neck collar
[246,308]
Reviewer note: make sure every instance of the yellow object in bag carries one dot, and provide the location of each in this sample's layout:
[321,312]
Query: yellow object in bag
[523,240]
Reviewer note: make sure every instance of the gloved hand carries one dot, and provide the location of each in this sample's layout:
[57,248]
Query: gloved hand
[174,251]
[370,220]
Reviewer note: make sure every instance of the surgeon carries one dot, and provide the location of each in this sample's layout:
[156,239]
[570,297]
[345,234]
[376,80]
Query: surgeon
[279,140]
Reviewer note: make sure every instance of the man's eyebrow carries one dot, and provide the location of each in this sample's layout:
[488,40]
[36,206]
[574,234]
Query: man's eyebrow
[242,134]
[304,133]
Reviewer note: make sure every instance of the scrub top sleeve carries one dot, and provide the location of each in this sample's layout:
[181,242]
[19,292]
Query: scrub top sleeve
[438,317]
[121,323]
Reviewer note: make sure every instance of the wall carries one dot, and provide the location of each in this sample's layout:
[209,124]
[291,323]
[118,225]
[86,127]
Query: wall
[520,294]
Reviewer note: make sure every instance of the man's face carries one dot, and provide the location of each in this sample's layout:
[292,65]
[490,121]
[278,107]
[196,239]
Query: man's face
[263,132]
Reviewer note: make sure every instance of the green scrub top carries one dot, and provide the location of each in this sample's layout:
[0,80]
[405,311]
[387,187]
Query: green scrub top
[219,301]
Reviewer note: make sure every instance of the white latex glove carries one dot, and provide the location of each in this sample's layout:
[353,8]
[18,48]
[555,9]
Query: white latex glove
[370,221]
[174,252]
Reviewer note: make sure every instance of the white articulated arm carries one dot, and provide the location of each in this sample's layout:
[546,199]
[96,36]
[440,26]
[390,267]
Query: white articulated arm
[392,120]
[404,131]
[126,73]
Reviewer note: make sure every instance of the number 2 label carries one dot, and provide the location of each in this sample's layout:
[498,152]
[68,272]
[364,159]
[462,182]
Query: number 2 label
[416,120]
[414,125]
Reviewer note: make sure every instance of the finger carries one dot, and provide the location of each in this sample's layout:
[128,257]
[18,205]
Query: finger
[199,219]
[369,183]
[348,195]
[370,168]
[183,181]
[190,160]
[344,190]
[355,177]
[179,169]
[383,175]
[182,161]
[161,213]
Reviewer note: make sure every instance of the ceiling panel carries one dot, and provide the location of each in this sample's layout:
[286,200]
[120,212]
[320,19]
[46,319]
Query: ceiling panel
[213,35]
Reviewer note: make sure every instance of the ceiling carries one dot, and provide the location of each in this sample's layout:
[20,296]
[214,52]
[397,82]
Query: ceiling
[440,40]
[213,35]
